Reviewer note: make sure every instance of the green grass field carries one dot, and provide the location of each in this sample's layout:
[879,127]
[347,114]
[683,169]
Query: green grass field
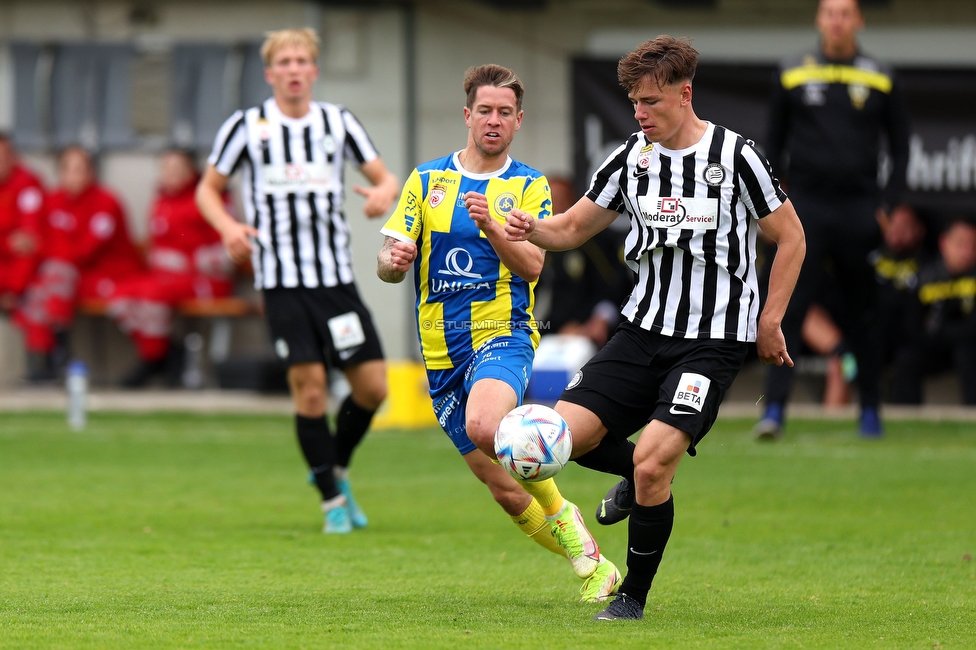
[184,531]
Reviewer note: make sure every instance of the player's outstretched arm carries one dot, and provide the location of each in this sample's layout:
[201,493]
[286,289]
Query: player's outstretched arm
[521,258]
[394,259]
[562,231]
[384,191]
[783,227]
[236,236]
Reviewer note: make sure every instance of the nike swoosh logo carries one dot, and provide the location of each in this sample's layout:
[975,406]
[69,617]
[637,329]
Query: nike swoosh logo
[675,411]
[345,354]
[603,507]
[639,553]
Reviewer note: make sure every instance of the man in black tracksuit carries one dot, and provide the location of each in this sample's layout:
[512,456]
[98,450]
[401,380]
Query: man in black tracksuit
[830,108]
[940,328]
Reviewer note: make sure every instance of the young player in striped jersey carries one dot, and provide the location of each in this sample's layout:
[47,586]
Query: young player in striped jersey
[474,307]
[292,153]
[695,193]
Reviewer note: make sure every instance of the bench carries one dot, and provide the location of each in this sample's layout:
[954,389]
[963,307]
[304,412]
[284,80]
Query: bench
[220,313]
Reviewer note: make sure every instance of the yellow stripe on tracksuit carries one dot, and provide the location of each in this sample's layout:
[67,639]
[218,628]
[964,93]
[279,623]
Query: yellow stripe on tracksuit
[835,74]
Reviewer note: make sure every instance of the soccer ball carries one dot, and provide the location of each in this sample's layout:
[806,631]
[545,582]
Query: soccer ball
[533,442]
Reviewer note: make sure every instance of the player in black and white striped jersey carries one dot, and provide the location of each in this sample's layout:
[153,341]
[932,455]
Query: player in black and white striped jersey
[696,194]
[292,154]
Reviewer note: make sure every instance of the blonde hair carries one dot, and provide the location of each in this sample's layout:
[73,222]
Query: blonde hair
[302,37]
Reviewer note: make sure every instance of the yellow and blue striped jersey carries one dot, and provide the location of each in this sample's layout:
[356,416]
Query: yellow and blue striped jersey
[465,295]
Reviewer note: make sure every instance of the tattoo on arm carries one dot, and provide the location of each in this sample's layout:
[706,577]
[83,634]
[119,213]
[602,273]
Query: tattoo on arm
[384,268]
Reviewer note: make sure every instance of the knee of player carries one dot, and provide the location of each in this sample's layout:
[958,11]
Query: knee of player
[309,398]
[651,472]
[372,397]
[481,430]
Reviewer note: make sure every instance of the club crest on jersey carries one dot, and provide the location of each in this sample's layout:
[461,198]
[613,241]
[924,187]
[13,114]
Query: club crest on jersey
[643,162]
[436,195]
[328,144]
[504,203]
[264,130]
[714,174]
[859,95]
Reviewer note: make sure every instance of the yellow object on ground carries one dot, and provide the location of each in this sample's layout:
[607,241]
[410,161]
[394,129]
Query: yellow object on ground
[407,404]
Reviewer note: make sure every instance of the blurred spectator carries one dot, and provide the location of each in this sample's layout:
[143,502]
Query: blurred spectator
[586,285]
[86,250]
[186,260]
[822,336]
[941,326]
[21,220]
[896,264]
[830,108]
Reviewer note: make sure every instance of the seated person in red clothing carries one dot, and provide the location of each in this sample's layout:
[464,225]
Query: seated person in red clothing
[186,260]
[85,251]
[22,213]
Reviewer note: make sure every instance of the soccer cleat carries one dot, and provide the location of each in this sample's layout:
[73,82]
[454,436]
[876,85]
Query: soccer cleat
[617,504]
[871,424]
[336,516]
[770,427]
[577,542]
[622,608]
[602,584]
[356,515]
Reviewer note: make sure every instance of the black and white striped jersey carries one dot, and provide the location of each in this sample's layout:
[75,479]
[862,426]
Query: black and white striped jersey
[292,189]
[693,226]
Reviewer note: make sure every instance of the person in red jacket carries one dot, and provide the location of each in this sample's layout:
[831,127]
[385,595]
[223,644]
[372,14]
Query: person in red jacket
[85,252]
[186,260]
[22,212]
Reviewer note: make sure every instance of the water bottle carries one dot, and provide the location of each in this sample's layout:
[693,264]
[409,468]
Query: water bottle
[77,385]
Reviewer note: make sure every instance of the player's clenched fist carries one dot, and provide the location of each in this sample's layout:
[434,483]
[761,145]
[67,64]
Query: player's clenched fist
[402,255]
[519,225]
[477,205]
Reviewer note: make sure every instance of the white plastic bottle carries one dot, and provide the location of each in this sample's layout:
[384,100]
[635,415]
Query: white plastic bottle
[77,386]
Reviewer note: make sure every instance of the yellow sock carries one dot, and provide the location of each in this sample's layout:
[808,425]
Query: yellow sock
[544,492]
[533,523]
[547,495]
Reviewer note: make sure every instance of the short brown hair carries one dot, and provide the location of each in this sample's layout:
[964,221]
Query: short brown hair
[491,75]
[303,37]
[667,59]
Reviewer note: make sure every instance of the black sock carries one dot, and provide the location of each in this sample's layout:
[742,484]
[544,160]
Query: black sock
[315,440]
[612,456]
[650,528]
[351,425]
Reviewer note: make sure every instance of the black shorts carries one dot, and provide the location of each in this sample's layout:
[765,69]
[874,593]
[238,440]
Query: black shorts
[641,376]
[329,325]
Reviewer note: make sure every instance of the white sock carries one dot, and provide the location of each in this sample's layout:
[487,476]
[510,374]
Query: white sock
[560,513]
[334,502]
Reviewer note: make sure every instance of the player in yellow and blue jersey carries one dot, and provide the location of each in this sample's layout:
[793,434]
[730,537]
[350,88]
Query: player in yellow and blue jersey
[474,307]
